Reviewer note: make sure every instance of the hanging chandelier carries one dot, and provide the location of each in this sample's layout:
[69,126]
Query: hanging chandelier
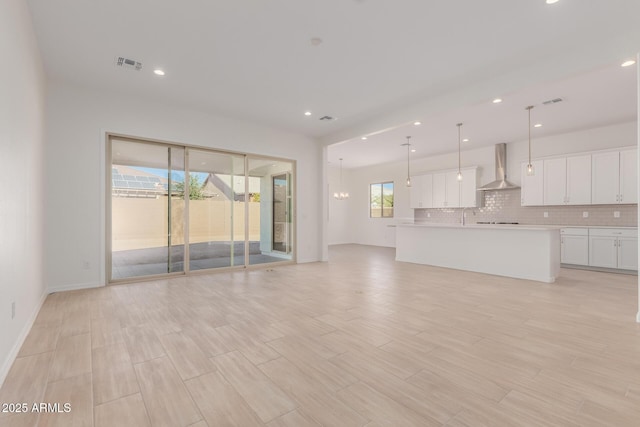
[342,194]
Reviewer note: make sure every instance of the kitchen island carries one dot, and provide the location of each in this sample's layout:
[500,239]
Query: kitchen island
[520,251]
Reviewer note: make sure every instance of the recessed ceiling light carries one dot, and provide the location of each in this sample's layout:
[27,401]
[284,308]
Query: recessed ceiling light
[158,72]
[465,140]
[364,138]
[417,123]
[497,101]
[413,150]
[307,113]
[552,1]
[628,63]
[537,125]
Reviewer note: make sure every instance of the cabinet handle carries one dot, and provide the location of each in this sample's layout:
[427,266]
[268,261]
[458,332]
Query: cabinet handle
[620,198]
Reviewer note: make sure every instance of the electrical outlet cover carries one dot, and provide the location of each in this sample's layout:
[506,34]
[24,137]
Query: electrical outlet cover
[546,214]
[616,214]
[585,214]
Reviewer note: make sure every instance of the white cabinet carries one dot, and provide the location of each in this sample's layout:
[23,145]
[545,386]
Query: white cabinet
[555,181]
[532,185]
[446,190]
[415,192]
[567,181]
[614,177]
[574,246]
[443,190]
[420,191]
[628,253]
[613,248]
[469,188]
[629,176]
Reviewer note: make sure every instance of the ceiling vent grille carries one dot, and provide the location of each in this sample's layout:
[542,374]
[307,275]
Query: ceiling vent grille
[131,64]
[552,101]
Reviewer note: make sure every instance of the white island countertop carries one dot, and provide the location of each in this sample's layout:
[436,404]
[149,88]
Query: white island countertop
[521,251]
[486,226]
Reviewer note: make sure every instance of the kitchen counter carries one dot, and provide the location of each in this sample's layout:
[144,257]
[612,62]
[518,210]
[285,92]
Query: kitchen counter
[521,251]
[489,226]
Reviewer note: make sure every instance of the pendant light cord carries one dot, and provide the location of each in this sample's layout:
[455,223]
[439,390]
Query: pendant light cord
[459,148]
[529,108]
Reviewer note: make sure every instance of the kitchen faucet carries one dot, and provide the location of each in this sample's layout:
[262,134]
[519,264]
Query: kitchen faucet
[462,217]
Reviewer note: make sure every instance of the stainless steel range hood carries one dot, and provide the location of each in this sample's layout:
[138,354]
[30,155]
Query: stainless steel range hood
[501,182]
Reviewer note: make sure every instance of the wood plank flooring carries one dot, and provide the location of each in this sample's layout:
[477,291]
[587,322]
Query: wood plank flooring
[359,341]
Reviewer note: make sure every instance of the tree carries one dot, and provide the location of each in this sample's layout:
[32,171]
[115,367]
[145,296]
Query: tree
[195,188]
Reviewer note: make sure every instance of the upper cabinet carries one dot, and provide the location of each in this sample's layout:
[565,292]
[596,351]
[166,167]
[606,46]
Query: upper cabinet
[614,177]
[446,190]
[420,192]
[443,190]
[607,177]
[567,181]
[469,188]
[532,185]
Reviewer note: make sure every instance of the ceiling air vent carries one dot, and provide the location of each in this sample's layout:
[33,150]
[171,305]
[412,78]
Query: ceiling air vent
[552,101]
[131,64]
[326,118]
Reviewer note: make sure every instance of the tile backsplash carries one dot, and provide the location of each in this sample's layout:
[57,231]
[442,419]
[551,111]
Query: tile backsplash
[504,206]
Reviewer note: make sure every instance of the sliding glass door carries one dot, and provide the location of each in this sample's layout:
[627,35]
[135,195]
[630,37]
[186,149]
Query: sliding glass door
[271,213]
[216,210]
[146,209]
[171,203]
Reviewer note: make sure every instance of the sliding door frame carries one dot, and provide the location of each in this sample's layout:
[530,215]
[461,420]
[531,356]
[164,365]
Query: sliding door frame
[108,259]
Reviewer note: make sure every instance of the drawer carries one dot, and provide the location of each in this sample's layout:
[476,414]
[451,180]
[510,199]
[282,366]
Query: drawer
[613,232]
[574,231]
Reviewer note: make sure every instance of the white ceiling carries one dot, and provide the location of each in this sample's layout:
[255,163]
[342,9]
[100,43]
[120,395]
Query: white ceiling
[598,98]
[254,59]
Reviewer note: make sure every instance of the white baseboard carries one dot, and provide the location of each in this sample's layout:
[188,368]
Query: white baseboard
[6,366]
[75,287]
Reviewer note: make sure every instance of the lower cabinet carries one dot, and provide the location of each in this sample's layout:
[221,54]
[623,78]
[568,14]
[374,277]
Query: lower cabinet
[574,246]
[613,248]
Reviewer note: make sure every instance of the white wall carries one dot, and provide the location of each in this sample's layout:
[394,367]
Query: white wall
[22,89]
[77,119]
[376,231]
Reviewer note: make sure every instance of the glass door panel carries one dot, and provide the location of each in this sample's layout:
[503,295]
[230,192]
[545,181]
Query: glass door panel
[146,217]
[270,210]
[216,210]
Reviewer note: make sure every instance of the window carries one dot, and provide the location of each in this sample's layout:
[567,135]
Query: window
[381,200]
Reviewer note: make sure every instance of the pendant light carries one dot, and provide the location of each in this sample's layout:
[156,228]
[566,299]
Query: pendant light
[341,195]
[459,171]
[408,144]
[530,170]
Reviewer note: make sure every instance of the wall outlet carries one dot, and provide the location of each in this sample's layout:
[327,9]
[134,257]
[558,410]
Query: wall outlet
[428,215]
[13,310]
[546,214]
[616,214]
[585,214]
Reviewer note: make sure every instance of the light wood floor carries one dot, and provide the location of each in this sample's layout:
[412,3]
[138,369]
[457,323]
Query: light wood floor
[359,341]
